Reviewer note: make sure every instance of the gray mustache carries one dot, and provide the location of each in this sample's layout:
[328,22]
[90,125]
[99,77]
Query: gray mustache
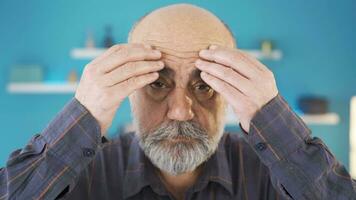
[189,129]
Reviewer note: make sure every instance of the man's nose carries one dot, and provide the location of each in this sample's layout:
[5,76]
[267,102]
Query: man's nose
[180,105]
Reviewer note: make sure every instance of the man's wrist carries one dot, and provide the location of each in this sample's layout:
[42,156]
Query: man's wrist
[276,131]
[245,124]
[73,136]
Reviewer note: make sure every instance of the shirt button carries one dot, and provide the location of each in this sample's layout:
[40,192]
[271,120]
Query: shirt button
[87,152]
[261,146]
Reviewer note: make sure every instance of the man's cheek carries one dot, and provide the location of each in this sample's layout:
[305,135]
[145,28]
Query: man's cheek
[153,113]
[209,113]
[209,104]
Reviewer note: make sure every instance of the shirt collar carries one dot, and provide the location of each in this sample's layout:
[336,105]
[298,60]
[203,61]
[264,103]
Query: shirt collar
[217,169]
[141,173]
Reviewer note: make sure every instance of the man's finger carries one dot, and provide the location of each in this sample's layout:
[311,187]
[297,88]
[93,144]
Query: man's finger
[125,55]
[233,96]
[231,58]
[129,55]
[129,70]
[254,61]
[227,74]
[248,58]
[117,47]
[130,85]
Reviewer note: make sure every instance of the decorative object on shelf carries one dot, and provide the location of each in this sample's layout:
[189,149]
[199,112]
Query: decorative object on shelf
[72,76]
[313,104]
[266,47]
[267,51]
[26,73]
[89,42]
[314,110]
[108,39]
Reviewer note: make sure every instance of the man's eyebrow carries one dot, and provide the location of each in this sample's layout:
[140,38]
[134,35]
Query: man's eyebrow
[167,72]
[195,74]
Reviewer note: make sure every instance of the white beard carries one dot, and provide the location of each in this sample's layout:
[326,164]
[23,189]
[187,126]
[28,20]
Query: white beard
[185,154]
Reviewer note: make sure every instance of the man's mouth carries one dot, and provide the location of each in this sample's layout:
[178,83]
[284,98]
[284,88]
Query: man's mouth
[179,138]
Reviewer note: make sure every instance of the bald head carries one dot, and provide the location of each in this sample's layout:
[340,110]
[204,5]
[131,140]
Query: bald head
[181,28]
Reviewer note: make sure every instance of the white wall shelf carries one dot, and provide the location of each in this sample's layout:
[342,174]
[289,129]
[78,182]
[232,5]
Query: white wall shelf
[88,53]
[91,53]
[321,119]
[315,119]
[274,55]
[41,88]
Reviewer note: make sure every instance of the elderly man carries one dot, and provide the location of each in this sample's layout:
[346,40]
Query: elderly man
[179,69]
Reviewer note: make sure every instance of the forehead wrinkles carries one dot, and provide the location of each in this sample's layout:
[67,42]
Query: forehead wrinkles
[173,52]
[183,44]
[178,58]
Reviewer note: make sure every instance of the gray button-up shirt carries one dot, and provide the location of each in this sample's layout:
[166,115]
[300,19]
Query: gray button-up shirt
[277,159]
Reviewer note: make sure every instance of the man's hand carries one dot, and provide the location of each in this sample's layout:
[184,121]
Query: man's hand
[111,77]
[244,82]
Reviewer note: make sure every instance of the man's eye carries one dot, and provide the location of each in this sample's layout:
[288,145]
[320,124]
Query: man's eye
[158,90]
[203,88]
[203,91]
[158,85]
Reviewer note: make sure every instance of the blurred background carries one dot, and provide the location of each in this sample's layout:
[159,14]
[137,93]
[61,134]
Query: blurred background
[309,45]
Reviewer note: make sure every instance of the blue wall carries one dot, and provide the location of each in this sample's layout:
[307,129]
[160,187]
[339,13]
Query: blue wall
[317,37]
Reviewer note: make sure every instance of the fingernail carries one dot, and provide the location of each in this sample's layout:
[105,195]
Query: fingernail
[204,52]
[157,53]
[160,64]
[203,74]
[147,46]
[198,62]
[213,46]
